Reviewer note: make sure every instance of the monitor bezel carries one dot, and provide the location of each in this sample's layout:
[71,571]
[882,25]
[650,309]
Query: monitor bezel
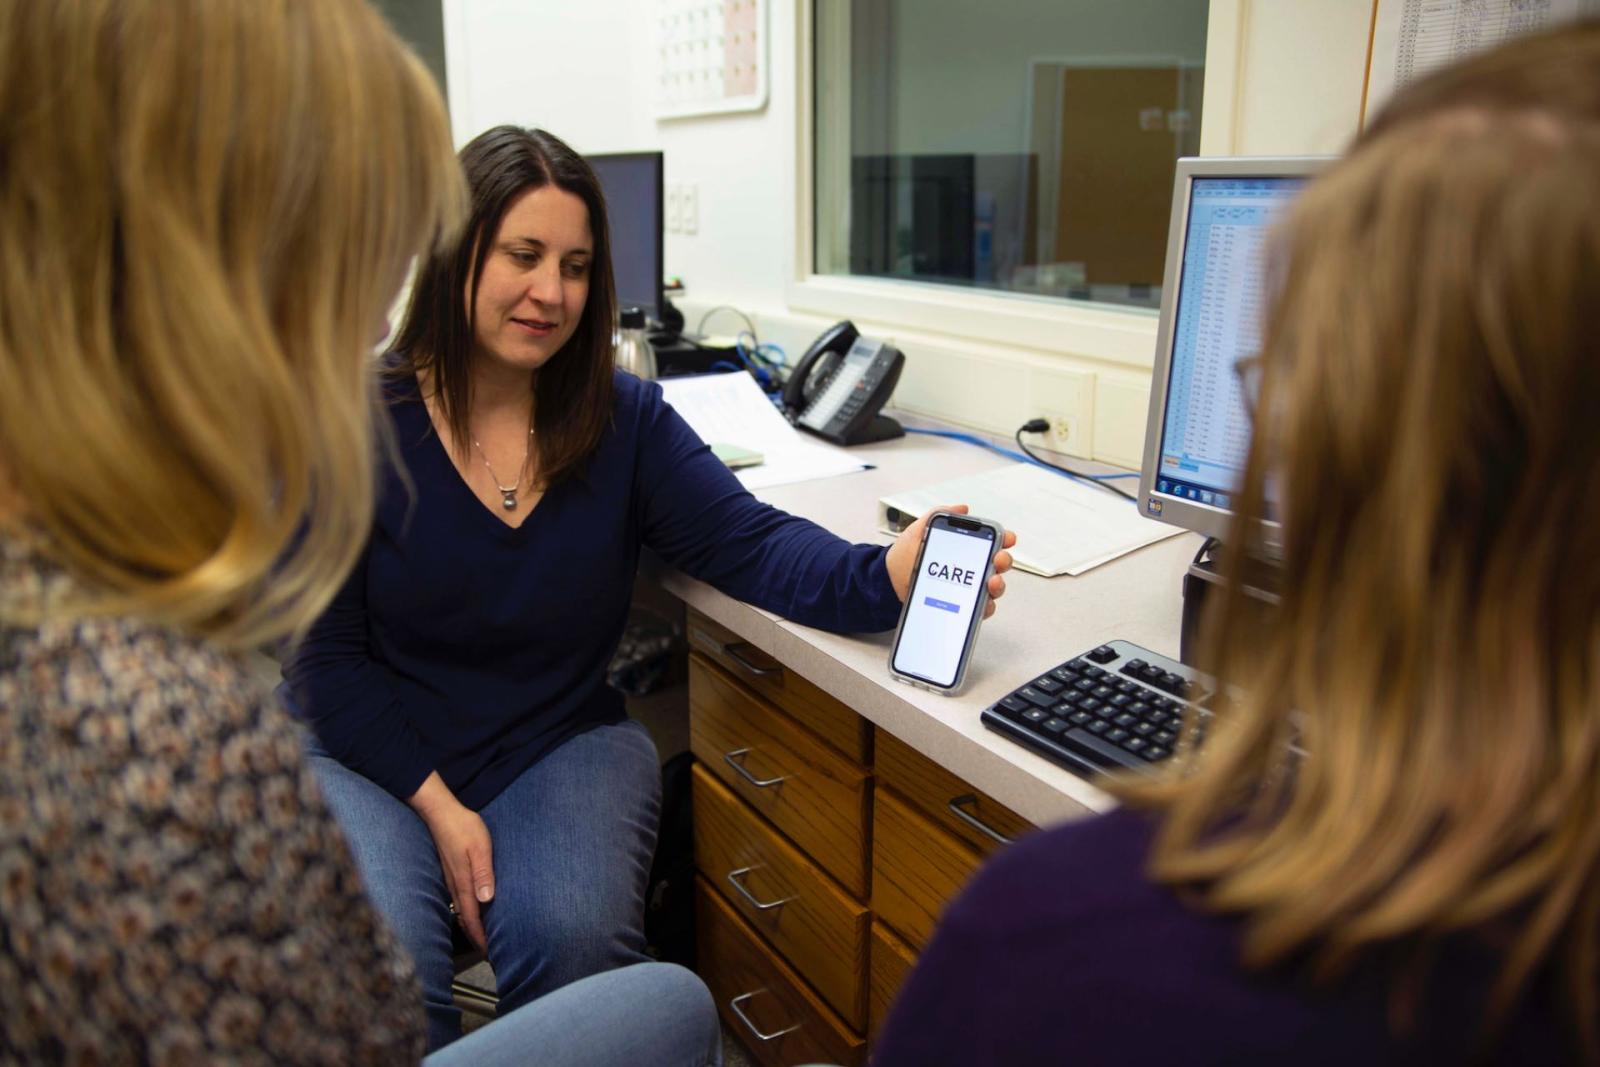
[652,313]
[1206,519]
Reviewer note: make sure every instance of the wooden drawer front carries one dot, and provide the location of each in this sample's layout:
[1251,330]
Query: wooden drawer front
[891,962]
[834,722]
[916,868]
[812,794]
[945,798]
[816,927]
[782,1021]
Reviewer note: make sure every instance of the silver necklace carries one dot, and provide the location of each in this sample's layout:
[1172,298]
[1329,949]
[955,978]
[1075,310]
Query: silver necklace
[508,493]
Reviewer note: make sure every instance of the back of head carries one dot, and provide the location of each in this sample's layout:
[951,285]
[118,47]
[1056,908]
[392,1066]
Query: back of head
[1424,412]
[207,207]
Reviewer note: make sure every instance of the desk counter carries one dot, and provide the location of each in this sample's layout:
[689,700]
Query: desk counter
[1040,622]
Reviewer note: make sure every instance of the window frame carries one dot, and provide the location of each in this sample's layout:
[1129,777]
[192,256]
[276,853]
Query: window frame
[1107,332]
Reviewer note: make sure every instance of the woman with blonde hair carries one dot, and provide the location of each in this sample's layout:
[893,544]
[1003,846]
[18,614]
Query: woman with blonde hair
[207,207]
[1389,851]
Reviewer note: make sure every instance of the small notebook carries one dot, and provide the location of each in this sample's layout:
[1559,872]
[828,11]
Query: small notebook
[1062,526]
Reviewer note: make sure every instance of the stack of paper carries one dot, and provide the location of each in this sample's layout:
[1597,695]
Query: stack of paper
[1062,526]
[730,409]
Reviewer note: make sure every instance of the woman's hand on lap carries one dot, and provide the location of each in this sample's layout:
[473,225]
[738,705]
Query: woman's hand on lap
[902,558]
[465,853]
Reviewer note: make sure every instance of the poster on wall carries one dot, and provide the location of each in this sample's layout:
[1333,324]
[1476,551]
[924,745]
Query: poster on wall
[711,57]
[1412,37]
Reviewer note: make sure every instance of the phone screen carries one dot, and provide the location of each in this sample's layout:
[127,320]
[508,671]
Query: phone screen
[942,612]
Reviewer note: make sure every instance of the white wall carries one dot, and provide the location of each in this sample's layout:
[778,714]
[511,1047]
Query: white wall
[1285,77]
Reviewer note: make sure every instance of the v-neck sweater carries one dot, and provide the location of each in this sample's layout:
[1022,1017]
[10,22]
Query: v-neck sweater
[467,646]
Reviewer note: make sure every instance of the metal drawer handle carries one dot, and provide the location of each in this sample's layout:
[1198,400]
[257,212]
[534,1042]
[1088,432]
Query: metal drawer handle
[958,809]
[732,759]
[733,880]
[734,651]
[734,1006]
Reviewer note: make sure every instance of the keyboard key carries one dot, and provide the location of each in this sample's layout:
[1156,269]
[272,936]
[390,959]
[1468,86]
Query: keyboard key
[1081,665]
[1125,720]
[1134,744]
[1047,684]
[1157,716]
[1107,755]
[1108,712]
[1151,673]
[1139,707]
[1084,684]
[1103,654]
[1091,704]
[1035,715]
[1164,737]
[1125,686]
[1078,718]
[1104,692]
[1121,700]
[1133,666]
[1055,725]
[1117,734]
[1099,726]
[1071,697]
[1143,729]
[1033,696]
[1064,676]
[1155,752]
[1062,709]
[1013,703]
[1094,672]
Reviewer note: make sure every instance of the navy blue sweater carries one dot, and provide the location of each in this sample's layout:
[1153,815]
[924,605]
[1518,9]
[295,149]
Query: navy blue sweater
[463,645]
[1061,950]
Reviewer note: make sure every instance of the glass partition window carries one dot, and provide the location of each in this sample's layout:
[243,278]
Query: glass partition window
[1027,146]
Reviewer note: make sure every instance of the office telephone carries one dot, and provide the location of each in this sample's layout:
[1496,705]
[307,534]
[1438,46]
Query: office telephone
[840,385]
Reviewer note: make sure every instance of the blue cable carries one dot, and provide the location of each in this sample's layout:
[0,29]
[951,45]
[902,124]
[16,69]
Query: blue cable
[973,439]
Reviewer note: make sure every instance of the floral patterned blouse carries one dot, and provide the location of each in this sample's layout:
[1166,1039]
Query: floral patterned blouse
[172,887]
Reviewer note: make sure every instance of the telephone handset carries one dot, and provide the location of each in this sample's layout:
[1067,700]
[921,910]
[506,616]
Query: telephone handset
[840,385]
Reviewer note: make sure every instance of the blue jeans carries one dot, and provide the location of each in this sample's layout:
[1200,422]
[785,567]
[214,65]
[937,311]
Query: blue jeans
[656,1013]
[572,840]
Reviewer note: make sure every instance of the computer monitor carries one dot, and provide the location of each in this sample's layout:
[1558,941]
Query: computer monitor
[1212,302]
[632,185]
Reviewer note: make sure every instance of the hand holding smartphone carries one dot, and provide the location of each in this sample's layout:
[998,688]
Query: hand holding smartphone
[945,605]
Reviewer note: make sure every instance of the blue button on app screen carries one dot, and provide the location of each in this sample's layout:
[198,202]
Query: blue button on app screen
[948,582]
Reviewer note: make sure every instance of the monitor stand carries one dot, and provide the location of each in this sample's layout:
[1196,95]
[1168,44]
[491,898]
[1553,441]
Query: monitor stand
[1202,580]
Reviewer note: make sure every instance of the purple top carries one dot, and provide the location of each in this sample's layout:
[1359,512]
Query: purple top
[1062,951]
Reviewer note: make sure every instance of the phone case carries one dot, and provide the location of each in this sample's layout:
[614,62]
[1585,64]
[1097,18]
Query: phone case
[983,602]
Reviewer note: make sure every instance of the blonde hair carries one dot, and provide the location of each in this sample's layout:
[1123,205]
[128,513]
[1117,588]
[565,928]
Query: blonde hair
[1416,748]
[207,206]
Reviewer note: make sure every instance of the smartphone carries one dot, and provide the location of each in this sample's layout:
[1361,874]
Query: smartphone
[949,590]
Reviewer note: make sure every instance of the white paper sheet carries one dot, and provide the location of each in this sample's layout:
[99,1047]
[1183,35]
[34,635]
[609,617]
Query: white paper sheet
[1412,37]
[1062,526]
[730,409]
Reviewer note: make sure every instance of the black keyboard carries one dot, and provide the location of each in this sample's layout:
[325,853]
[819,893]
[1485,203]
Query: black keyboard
[1116,707]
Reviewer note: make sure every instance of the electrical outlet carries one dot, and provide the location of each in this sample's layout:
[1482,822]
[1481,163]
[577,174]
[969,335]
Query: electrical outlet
[674,209]
[1062,436]
[1064,398]
[690,209]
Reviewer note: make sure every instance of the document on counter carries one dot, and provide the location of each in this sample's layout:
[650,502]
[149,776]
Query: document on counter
[730,409]
[1062,526]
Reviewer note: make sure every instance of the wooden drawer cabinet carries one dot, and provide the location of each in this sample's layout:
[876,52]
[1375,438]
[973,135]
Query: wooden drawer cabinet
[761,998]
[795,832]
[810,921]
[949,802]
[916,868]
[891,962]
[804,788]
[826,717]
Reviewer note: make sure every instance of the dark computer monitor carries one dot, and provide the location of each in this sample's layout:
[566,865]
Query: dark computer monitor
[1198,431]
[632,185]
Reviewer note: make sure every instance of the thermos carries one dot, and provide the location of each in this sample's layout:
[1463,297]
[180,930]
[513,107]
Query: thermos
[634,353]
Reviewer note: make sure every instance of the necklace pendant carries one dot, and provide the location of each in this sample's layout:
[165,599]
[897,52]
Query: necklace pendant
[509,501]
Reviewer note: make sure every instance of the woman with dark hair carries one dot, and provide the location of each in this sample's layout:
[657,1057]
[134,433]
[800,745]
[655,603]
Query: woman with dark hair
[468,742]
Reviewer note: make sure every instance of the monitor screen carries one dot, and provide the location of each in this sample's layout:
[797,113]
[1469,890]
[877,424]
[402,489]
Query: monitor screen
[1199,430]
[632,185]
